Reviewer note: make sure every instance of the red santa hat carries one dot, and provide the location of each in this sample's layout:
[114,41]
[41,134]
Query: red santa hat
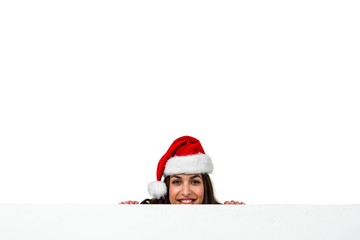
[184,156]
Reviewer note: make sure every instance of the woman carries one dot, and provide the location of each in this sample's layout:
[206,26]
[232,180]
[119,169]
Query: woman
[185,168]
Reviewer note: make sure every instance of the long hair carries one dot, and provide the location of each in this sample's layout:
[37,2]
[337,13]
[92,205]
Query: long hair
[209,197]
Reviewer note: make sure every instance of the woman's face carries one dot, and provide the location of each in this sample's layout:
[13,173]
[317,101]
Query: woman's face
[186,189]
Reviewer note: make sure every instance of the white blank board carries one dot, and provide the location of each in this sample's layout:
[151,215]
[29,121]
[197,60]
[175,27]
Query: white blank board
[54,221]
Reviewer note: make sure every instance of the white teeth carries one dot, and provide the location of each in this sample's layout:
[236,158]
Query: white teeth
[186,201]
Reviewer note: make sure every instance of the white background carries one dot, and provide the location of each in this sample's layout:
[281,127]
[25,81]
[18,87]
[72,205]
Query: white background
[92,93]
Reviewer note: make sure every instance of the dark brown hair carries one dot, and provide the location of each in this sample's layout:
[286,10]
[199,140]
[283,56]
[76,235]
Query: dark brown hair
[209,197]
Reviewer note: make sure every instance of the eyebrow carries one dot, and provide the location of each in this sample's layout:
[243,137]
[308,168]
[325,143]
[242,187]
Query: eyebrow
[195,176]
[192,177]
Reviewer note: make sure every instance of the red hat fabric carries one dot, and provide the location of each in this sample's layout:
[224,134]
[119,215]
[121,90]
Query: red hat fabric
[184,156]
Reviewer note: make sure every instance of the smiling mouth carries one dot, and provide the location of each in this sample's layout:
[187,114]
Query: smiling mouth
[186,201]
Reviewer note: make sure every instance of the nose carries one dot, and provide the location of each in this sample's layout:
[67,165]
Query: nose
[186,191]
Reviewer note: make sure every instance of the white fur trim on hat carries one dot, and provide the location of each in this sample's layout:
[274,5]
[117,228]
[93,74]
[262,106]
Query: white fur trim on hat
[198,163]
[157,189]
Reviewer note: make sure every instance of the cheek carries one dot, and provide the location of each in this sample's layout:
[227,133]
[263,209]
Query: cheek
[173,191]
[199,190]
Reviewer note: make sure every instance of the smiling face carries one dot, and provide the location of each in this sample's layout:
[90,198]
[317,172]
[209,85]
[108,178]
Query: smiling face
[186,189]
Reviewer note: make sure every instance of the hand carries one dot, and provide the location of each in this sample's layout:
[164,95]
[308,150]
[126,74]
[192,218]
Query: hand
[129,202]
[232,202]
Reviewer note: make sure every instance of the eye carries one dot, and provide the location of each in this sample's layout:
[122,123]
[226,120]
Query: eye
[195,182]
[176,182]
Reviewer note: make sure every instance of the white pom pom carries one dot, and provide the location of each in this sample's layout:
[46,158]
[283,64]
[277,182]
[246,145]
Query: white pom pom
[157,189]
